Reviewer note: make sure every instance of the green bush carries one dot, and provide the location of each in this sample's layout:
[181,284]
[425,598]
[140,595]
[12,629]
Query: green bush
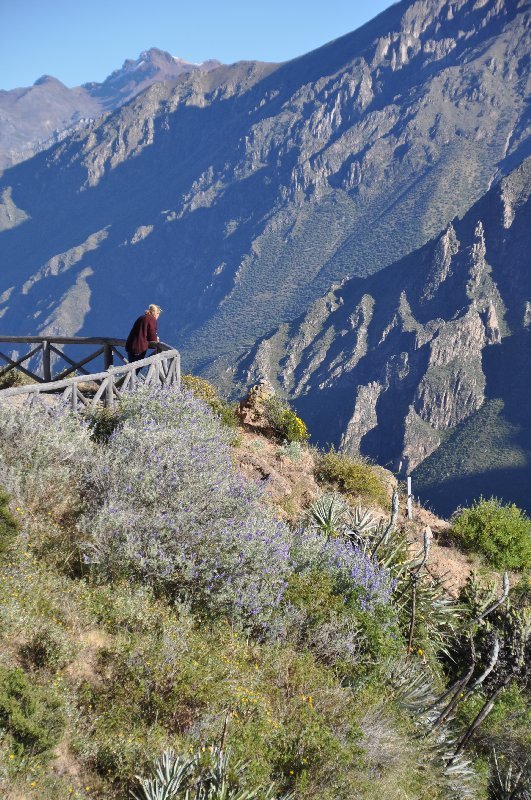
[500,532]
[285,421]
[352,476]
[31,715]
[10,378]
[50,648]
[8,524]
[205,391]
[335,628]
[102,422]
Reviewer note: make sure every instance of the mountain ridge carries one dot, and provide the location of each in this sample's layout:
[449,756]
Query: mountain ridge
[313,184]
[51,110]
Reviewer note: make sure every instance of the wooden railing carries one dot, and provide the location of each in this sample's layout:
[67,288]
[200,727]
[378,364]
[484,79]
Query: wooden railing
[48,352]
[89,389]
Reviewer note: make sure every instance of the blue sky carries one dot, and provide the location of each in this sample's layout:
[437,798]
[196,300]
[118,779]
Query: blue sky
[83,40]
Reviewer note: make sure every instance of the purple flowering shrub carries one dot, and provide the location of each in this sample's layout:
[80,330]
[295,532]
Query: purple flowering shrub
[44,452]
[317,616]
[356,575]
[338,603]
[162,504]
[165,505]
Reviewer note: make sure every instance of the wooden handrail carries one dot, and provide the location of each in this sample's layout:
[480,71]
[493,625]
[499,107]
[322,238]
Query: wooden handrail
[164,368]
[76,340]
[55,386]
[49,351]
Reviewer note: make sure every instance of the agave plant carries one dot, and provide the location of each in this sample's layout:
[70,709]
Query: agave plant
[423,603]
[171,775]
[413,690]
[328,514]
[438,617]
[204,775]
[361,527]
[509,781]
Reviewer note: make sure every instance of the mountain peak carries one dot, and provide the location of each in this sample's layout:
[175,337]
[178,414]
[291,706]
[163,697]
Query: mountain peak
[151,66]
[48,80]
[163,60]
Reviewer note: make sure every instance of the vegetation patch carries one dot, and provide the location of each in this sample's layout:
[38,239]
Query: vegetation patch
[102,422]
[311,660]
[353,476]
[8,524]
[205,391]
[284,420]
[11,378]
[30,715]
[50,648]
[500,532]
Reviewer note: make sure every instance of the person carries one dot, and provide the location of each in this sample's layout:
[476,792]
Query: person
[143,332]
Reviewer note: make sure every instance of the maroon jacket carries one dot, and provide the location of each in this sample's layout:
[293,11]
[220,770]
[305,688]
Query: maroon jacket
[142,333]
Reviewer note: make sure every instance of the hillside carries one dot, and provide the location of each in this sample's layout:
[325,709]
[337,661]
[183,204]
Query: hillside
[427,358]
[153,601]
[236,197]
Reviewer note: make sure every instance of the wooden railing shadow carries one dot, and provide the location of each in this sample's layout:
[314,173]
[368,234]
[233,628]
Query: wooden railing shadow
[87,389]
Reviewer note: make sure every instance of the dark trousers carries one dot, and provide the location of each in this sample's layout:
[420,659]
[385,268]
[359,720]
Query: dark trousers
[136,356]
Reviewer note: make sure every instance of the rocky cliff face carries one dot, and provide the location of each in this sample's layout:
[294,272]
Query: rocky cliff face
[237,197]
[393,365]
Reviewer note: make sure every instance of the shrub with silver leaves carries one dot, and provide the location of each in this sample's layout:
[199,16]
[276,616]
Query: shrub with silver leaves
[44,452]
[167,506]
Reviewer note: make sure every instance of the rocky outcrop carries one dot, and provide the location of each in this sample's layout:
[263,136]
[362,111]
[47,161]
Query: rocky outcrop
[393,364]
[251,411]
[364,417]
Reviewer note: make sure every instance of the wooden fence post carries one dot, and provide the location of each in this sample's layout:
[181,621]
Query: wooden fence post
[177,368]
[46,362]
[107,356]
[409,499]
[109,391]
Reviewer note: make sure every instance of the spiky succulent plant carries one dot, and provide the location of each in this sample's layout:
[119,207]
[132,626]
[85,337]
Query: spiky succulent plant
[413,690]
[204,775]
[328,514]
[508,780]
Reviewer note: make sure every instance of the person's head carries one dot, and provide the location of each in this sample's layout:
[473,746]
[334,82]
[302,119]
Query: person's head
[154,311]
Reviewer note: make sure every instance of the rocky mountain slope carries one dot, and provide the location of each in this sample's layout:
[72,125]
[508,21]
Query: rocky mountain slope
[430,356]
[236,197]
[33,118]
